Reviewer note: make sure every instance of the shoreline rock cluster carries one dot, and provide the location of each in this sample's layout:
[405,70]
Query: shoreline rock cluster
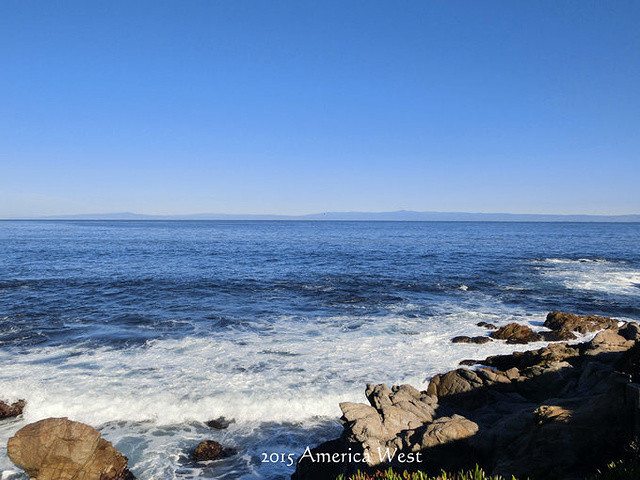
[58,448]
[559,411]
[63,449]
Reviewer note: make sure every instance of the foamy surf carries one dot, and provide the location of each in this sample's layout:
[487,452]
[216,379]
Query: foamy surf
[152,400]
[595,275]
[148,330]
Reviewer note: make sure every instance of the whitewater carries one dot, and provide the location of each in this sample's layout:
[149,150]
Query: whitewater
[146,330]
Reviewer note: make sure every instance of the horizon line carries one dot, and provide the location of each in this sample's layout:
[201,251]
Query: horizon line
[396,215]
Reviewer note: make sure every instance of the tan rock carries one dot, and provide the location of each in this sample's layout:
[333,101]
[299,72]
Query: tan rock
[515,333]
[455,382]
[578,323]
[551,413]
[447,429]
[608,341]
[61,449]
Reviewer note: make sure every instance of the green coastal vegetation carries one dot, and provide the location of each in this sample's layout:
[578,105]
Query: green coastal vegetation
[476,474]
[618,470]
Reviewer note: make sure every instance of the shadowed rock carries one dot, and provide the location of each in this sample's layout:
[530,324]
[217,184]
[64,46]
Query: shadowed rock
[211,450]
[558,412]
[464,339]
[489,326]
[219,423]
[11,410]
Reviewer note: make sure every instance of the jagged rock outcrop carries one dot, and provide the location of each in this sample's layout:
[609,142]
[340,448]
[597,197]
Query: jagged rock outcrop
[374,428]
[61,449]
[11,410]
[578,323]
[557,412]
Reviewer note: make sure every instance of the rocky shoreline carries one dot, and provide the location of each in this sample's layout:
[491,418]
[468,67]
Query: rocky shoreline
[558,412]
[63,449]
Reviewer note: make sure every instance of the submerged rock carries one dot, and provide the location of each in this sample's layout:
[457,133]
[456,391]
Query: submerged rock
[219,423]
[211,450]
[11,410]
[464,339]
[489,326]
[61,449]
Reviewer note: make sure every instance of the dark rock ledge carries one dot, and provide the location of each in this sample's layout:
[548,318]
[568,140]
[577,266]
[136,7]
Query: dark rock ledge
[558,412]
[9,410]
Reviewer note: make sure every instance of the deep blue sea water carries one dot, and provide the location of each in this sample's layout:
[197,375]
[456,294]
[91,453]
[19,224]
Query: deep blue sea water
[148,329]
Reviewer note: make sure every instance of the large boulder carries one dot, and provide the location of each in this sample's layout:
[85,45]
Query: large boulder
[578,323]
[608,341]
[556,352]
[11,410]
[61,449]
[515,333]
[442,431]
[211,450]
[466,387]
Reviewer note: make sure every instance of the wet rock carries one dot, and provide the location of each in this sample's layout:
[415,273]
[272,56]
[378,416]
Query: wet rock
[464,339]
[11,410]
[219,423]
[61,449]
[489,326]
[578,323]
[515,333]
[469,362]
[211,450]
[461,339]
[561,335]
[480,340]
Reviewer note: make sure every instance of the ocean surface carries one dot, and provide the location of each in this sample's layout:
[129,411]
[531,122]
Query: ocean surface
[148,329]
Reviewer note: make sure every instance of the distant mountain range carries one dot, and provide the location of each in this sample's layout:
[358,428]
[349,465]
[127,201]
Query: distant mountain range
[401,215]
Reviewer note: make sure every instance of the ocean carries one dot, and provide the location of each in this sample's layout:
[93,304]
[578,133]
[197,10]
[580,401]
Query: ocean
[148,329]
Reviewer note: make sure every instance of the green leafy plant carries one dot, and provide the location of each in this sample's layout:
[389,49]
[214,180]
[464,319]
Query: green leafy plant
[476,474]
[619,470]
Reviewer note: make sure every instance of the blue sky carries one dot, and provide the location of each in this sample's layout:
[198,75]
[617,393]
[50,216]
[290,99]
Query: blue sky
[292,107]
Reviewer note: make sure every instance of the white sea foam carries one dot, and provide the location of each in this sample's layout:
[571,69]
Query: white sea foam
[292,372]
[596,275]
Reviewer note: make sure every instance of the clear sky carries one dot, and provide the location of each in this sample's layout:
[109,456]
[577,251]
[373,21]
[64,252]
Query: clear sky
[301,106]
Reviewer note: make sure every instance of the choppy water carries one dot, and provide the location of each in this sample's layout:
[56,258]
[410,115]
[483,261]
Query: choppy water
[148,329]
